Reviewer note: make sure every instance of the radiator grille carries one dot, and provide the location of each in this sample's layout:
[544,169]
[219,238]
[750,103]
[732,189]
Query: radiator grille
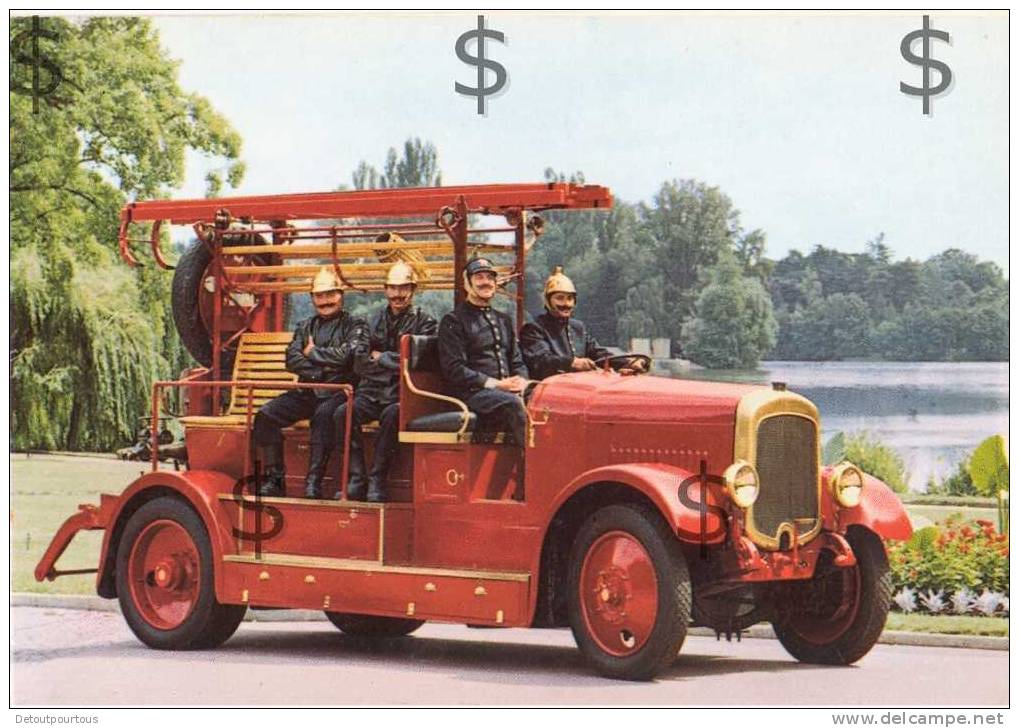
[787,464]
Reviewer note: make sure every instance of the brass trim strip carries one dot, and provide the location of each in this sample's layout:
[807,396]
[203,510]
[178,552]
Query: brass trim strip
[382,532]
[315,503]
[323,562]
[449,438]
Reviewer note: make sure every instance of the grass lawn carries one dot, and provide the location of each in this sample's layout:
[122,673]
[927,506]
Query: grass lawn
[948,624]
[45,490]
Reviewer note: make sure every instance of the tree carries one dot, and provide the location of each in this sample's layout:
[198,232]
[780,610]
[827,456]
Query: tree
[88,334]
[734,325]
[418,166]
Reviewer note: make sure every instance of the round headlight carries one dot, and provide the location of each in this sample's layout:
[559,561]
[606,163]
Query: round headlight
[741,483]
[847,485]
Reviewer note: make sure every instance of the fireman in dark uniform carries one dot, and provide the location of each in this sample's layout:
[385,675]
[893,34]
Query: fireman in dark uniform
[480,356]
[378,392]
[556,342]
[323,350]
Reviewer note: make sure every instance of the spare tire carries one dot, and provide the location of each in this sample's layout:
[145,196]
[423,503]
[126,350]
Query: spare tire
[191,303]
[188,278]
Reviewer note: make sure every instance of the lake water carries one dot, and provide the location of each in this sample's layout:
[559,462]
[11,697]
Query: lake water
[932,413]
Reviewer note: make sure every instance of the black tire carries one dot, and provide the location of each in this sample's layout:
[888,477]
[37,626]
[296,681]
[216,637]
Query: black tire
[838,616]
[369,626]
[208,623]
[188,278]
[664,627]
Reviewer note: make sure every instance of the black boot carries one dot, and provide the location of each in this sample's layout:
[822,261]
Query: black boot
[355,474]
[379,472]
[376,493]
[317,464]
[273,478]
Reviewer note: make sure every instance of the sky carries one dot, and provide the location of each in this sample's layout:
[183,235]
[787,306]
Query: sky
[797,116]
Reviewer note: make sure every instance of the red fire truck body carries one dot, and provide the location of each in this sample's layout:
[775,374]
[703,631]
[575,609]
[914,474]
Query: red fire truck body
[650,503]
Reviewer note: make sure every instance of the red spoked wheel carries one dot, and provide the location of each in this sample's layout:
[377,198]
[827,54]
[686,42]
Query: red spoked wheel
[836,617]
[165,579]
[629,592]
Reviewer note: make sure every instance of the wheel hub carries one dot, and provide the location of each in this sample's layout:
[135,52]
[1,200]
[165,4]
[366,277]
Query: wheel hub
[163,574]
[613,592]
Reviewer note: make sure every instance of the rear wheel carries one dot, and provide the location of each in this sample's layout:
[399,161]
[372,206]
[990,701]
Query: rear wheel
[836,617]
[165,580]
[629,592]
[366,625]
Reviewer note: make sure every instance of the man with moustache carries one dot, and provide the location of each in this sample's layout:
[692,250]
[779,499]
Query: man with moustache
[481,359]
[323,350]
[555,342]
[378,393]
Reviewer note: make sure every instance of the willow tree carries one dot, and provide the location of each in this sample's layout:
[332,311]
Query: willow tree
[88,334]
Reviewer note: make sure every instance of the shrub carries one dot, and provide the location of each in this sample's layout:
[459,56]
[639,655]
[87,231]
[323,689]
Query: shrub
[878,459]
[962,558]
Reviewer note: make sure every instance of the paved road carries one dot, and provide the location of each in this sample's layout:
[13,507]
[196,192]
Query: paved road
[91,658]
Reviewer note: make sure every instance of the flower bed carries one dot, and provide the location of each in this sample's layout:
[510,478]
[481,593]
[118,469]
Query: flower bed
[960,567]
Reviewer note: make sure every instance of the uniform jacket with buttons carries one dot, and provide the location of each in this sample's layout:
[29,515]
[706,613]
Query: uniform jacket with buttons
[338,341]
[475,344]
[380,378]
[551,343]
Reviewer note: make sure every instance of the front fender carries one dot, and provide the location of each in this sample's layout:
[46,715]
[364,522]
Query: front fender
[200,488]
[674,491]
[880,510]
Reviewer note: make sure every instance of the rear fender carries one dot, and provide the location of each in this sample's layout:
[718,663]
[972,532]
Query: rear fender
[674,491]
[199,488]
[880,510]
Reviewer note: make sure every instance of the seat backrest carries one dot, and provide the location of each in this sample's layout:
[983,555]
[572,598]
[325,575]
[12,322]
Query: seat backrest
[261,356]
[421,354]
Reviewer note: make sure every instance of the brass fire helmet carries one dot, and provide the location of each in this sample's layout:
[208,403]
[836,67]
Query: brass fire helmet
[401,274]
[326,280]
[558,282]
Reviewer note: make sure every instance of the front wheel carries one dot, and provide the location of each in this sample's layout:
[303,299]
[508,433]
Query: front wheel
[165,580]
[369,626]
[836,617]
[629,592]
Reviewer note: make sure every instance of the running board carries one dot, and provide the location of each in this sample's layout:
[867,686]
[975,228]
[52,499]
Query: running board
[469,596]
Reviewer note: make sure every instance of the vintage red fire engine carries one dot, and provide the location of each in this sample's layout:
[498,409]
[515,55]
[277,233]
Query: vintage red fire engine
[650,504]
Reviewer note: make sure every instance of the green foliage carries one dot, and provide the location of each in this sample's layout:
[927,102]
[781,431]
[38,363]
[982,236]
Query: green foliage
[959,482]
[877,459]
[88,334]
[958,555]
[417,166]
[733,325]
[833,305]
[834,451]
[988,466]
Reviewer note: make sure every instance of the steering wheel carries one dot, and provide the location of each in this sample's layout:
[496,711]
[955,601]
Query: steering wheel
[624,359]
